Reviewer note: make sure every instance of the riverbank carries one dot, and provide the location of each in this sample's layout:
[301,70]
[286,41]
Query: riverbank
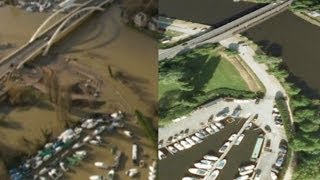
[305,119]
[182,89]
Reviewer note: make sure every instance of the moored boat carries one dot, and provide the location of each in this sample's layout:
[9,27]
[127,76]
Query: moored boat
[231,138]
[196,139]
[220,164]
[215,128]
[246,172]
[214,175]
[207,162]
[202,166]
[210,157]
[244,168]
[199,172]
[239,139]
[224,147]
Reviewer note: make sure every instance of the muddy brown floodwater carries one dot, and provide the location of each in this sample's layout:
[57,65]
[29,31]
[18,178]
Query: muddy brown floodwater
[100,42]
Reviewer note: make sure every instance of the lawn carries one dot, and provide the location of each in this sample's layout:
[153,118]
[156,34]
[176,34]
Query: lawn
[192,79]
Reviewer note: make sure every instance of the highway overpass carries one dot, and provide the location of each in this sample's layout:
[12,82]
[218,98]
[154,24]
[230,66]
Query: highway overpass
[42,41]
[229,29]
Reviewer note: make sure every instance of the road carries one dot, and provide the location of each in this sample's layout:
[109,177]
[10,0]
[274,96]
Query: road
[6,65]
[272,86]
[227,30]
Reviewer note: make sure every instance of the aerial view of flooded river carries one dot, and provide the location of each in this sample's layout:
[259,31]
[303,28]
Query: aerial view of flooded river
[285,35]
[100,42]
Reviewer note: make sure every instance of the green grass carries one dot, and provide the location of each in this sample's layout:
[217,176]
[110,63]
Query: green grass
[192,79]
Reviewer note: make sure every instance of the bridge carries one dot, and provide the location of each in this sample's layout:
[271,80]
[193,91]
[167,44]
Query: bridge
[229,29]
[44,38]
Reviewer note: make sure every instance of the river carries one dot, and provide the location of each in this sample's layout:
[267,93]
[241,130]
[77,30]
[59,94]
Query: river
[100,42]
[284,35]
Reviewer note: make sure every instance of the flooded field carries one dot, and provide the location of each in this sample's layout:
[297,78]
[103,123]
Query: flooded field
[285,35]
[101,42]
[176,166]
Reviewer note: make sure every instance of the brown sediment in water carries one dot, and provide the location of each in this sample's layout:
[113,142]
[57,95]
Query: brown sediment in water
[100,42]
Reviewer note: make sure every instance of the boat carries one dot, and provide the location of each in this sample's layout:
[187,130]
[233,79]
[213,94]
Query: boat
[190,178]
[209,130]
[231,138]
[185,144]
[134,153]
[248,126]
[219,124]
[196,139]
[199,135]
[207,162]
[215,128]
[96,177]
[202,166]
[210,157]
[214,175]
[274,176]
[204,133]
[190,141]
[224,147]
[178,146]
[244,168]
[161,155]
[220,164]
[111,174]
[172,149]
[246,172]
[239,139]
[199,172]
[101,165]
[245,177]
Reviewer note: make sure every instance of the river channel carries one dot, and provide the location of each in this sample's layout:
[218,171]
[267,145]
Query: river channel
[284,35]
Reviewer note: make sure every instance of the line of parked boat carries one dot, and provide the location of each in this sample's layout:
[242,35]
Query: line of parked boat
[65,151]
[192,140]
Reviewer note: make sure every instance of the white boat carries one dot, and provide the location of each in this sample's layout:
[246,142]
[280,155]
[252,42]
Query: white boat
[128,133]
[178,146]
[199,172]
[190,141]
[161,155]
[246,172]
[240,138]
[172,149]
[209,130]
[231,138]
[196,139]
[101,165]
[244,168]
[185,144]
[190,178]
[274,176]
[215,128]
[111,174]
[202,166]
[199,135]
[219,124]
[96,177]
[207,162]
[220,164]
[132,172]
[214,175]
[224,147]
[245,177]
[248,126]
[210,158]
